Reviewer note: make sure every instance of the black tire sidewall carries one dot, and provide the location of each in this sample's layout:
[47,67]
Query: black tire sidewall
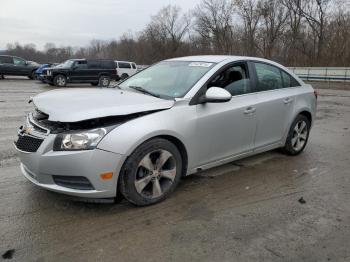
[128,172]
[100,81]
[55,80]
[288,148]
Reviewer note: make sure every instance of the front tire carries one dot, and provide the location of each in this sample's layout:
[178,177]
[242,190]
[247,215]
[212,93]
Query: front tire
[60,81]
[32,75]
[151,172]
[298,136]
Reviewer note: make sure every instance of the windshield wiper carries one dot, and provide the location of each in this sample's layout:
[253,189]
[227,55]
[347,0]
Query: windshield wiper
[145,91]
[116,86]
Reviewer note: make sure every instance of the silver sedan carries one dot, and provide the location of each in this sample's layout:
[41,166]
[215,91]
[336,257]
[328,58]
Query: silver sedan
[170,120]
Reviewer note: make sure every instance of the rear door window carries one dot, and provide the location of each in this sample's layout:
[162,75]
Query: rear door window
[6,60]
[124,65]
[107,65]
[268,76]
[288,80]
[93,64]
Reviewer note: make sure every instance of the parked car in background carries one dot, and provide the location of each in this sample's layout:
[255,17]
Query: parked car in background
[16,66]
[175,118]
[97,72]
[125,69]
[39,72]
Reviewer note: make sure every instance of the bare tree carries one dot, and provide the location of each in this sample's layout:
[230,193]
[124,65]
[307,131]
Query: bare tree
[249,11]
[315,13]
[274,18]
[214,19]
[294,32]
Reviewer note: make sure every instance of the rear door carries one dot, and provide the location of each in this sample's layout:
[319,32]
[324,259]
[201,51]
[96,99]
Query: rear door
[275,104]
[6,65]
[94,68]
[124,68]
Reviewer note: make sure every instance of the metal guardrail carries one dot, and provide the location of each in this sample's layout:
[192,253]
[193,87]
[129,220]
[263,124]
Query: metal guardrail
[339,74]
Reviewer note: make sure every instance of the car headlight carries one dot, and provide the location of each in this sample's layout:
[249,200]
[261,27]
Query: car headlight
[82,140]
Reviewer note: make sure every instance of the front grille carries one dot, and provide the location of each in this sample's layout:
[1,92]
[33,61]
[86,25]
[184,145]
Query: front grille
[74,182]
[28,143]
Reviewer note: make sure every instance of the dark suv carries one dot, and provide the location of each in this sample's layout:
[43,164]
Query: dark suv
[96,72]
[16,66]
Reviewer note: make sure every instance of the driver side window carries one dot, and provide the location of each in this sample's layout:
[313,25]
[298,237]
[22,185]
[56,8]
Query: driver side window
[234,79]
[18,61]
[81,64]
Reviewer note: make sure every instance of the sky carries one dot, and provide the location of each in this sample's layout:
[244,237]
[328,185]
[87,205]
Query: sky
[76,22]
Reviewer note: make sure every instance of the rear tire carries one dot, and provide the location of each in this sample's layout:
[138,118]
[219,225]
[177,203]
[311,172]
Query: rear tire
[104,81]
[124,76]
[298,136]
[151,172]
[60,81]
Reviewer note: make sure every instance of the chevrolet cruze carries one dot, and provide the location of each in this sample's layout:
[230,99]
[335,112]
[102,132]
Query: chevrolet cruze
[170,120]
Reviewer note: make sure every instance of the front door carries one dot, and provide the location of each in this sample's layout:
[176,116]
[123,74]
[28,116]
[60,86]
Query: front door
[79,72]
[20,67]
[227,129]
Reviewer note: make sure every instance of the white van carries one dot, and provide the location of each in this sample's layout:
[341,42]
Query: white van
[125,69]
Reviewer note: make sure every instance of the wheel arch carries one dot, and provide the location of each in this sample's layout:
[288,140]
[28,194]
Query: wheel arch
[306,113]
[173,139]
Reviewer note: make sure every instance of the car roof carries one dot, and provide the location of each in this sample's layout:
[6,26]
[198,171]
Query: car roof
[219,58]
[124,61]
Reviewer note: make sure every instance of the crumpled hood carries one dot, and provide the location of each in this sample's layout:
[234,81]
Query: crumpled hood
[73,105]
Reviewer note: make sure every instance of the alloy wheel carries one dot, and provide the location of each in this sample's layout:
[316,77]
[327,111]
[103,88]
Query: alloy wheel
[105,81]
[61,81]
[155,174]
[299,136]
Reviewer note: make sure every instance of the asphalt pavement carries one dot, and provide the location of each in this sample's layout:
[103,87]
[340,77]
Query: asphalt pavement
[269,207]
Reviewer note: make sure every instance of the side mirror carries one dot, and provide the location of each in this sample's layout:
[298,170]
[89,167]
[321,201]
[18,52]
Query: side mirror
[215,95]
[26,63]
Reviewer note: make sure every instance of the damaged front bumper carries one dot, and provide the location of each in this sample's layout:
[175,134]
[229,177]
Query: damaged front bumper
[75,173]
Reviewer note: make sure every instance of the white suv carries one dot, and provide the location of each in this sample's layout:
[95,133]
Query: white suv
[125,69]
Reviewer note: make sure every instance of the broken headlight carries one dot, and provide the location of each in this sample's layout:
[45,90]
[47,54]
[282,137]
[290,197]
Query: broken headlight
[80,140]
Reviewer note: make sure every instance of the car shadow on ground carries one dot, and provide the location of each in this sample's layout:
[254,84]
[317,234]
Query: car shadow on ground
[235,173]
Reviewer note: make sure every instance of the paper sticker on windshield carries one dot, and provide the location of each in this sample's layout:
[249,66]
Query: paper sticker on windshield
[200,64]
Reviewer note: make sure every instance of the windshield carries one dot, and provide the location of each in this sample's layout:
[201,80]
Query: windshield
[168,78]
[67,63]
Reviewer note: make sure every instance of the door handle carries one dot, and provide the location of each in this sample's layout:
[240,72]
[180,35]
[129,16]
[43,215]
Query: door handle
[287,100]
[249,110]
